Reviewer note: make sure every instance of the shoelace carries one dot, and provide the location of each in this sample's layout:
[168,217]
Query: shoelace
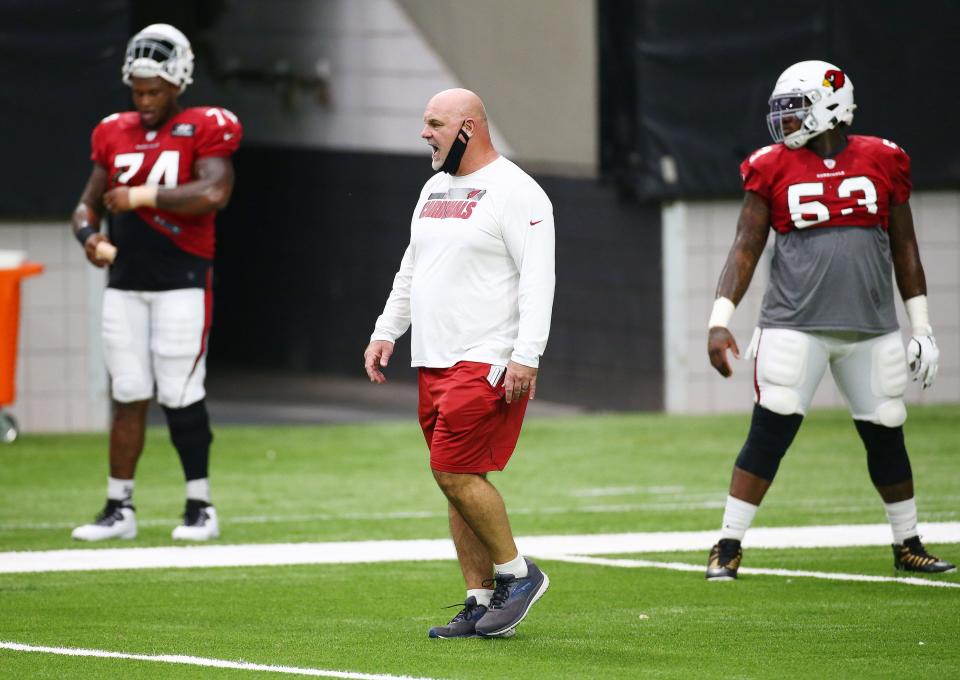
[916,554]
[464,614]
[727,553]
[111,511]
[501,590]
[192,514]
[915,547]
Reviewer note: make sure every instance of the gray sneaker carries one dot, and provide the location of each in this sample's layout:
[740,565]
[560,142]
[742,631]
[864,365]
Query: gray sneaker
[512,599]
[464,624]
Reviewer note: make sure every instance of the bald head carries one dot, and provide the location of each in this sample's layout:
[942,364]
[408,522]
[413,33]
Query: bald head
[459,103]
[446,113]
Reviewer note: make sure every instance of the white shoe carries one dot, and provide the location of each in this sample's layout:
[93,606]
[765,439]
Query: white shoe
[199,522]
[116,520]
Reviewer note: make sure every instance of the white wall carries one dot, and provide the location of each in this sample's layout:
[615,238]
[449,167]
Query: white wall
[697,237]
[61,380]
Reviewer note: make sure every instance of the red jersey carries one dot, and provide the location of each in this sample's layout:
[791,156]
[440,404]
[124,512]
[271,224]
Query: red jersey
[855,188]
[133,155]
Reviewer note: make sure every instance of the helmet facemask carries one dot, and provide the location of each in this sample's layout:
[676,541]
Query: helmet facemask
[795,106]
[815,93]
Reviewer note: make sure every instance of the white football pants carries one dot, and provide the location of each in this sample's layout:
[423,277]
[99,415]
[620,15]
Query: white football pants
[156,337]
[870,371]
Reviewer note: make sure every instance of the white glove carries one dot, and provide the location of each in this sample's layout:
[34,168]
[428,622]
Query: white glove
[922,357]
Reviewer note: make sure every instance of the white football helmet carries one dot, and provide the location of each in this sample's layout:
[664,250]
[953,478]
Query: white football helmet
[159,50]
[816,93]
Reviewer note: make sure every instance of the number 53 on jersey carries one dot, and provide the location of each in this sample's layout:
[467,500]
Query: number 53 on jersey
[855,188]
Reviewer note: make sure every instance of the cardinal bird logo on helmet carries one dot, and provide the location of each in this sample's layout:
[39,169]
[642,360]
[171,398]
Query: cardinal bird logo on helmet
[834,79]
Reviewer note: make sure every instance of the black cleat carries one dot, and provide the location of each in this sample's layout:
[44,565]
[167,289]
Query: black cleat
[912,556]
[724,560]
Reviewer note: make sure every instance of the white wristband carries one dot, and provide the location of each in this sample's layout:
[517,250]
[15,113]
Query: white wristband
[919,316]
[722,311]
[143,196]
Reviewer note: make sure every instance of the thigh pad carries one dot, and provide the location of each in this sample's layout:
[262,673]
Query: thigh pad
[785,377]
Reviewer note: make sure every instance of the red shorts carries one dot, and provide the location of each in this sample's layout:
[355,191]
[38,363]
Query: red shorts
[468,425]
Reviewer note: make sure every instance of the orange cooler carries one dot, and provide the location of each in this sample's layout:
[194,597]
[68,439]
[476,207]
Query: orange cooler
[10,324]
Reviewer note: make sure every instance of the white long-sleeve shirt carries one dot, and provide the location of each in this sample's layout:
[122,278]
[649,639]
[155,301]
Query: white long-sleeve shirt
[477,280]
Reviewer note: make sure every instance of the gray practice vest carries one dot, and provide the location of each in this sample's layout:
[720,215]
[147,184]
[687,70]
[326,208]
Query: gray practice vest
[831,278]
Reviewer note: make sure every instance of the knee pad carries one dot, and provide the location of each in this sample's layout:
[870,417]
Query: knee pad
[180,380]
[770,436]
[129,389]
[173,393]
[780,400]
[191,436]
[891,413]
[887,458]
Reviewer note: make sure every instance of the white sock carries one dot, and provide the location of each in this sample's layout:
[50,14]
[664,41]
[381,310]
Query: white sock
[517,566]
[737,518]
[483,595]
[199,489]
[902,516]
[119,489]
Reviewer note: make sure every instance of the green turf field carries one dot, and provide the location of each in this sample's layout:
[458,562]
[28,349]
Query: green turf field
[600,474]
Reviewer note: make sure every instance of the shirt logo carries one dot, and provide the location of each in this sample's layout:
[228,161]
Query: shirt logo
[182,130]
[830,163]
[151,135]
[443,209]
[455,202]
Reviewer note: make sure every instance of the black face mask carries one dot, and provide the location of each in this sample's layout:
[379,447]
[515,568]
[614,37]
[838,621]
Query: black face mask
[452,162]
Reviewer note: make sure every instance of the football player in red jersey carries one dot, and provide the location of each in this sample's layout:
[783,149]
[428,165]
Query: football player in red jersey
[840,206]
[162,172]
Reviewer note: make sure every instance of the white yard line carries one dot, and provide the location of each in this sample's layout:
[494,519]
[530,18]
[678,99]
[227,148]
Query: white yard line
[204,662]
[354,552]
[683,566]
[270,554]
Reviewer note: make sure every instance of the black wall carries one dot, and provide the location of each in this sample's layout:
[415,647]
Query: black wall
[606,344]
[690,80]
[309,246]
[60,69]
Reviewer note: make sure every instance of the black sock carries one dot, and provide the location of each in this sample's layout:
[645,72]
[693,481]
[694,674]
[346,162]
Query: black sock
[191,436]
